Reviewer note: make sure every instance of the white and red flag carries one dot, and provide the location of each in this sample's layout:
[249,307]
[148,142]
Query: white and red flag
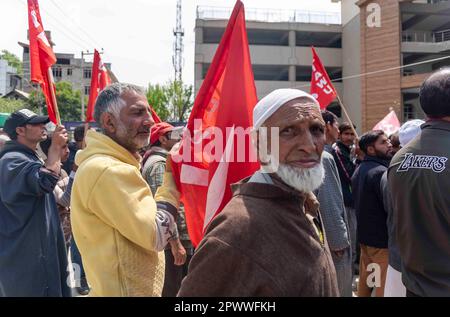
[321,87]
[99,80]
[41,59]
[390,124]
[223,106]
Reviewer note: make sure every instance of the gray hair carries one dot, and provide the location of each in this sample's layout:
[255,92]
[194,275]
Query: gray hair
[110,99]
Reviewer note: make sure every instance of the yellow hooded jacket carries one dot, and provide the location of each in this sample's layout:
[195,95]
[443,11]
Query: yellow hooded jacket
[113,221]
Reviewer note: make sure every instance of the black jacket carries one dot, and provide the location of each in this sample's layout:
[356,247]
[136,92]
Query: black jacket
[346,168]
[33,258]
[370,213]
[419,180]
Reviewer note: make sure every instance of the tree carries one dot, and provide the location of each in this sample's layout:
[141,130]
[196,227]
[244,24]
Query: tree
[180,98]
[171,101]
[69,102]
[158,100]
[10,105]
[12,60]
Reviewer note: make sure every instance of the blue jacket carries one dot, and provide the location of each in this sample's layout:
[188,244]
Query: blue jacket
[33,258]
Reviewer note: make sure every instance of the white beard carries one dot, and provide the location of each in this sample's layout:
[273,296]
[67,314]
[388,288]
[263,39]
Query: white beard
[302,179]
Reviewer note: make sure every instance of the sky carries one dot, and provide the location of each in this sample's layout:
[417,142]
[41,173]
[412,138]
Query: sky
[136,35]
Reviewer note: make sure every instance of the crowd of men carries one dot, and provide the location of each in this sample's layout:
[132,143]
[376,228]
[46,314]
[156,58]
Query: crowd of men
[336,205]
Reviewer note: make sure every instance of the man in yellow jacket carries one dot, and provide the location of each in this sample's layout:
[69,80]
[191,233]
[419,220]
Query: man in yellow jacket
[117,226]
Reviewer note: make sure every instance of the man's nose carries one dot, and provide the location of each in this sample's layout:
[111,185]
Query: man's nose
[306,143]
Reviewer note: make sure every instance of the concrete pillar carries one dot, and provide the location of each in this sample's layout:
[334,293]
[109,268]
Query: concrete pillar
[292,73]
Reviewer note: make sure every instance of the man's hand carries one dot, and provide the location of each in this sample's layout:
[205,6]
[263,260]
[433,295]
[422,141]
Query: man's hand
[59,140]
[59,137]
[178,251]
[339,253]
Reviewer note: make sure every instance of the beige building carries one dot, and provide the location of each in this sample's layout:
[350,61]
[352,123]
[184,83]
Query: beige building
[67,68]
[367,37]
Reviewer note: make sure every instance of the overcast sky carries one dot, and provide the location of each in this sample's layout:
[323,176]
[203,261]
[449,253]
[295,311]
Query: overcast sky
[137,35]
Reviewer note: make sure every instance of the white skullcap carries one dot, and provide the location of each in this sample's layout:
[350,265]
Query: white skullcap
[409,130]
[273,101]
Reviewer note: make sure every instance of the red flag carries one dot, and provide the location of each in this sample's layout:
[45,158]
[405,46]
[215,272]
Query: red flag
[321,87]
[224,104]
[41,57]
[155,116]
[99,80]
[390,124]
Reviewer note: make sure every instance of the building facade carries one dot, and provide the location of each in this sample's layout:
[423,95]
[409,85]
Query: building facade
[363,50]
[68,68]
[9,80]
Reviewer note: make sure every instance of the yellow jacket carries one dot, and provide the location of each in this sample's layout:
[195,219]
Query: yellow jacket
[113,221]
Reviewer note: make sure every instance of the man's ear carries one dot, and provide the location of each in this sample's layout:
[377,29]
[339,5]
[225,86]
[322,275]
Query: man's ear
[20,131]
[108,123]
[371,150]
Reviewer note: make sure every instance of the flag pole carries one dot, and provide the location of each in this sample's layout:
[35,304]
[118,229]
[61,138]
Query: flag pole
[86,128]
[346,114]
[52,93]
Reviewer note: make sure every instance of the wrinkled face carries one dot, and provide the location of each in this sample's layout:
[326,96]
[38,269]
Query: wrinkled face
[347,137]
[301,134]
[134,122]
[33,133]
[382,148]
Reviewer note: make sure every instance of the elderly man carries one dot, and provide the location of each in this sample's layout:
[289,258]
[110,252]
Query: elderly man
[419,181]
[268,240]
[115,221]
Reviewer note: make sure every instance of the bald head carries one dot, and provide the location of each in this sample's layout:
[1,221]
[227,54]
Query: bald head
[435,94]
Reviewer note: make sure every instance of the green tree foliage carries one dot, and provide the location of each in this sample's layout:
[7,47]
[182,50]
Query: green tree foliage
[172,101]
[69,102]
[10,105]
[12,60]
[157,98]
[180,97]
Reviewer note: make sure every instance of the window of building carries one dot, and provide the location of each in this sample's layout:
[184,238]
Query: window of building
[57,71]
[87,90]
[87,73]
[69,71]
[408,112]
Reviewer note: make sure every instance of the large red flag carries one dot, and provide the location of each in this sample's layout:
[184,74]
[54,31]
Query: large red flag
[321,87]
[223,107]
[99,80]
[389,124]
[41,58]
[155,116]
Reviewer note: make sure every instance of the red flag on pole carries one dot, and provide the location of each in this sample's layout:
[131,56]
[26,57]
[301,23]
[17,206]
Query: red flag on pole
[321,87]
[41,59]
[389,124]
[99,80]
[155,116]
[224,106]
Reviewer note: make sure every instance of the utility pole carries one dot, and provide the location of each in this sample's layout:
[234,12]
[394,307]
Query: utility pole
[177,58]
[83,54]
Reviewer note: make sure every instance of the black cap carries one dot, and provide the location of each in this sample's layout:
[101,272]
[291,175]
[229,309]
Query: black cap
[20,118]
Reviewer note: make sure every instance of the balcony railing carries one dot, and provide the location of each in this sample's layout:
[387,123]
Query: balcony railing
[271,15]
[426,37]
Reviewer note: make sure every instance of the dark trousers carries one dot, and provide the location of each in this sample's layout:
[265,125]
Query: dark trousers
[174,274]
[76,259]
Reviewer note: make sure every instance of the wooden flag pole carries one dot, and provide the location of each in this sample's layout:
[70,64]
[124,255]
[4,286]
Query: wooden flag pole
[86,128]
[346,115]
[52,93]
